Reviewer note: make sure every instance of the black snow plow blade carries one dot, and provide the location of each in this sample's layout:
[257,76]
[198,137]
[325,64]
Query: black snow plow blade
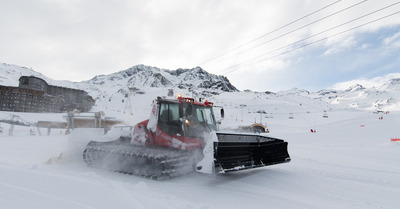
[235,152]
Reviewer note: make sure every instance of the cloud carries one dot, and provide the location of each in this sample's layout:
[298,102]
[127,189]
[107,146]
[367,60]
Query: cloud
[393,41]
[76,40]
[338,45]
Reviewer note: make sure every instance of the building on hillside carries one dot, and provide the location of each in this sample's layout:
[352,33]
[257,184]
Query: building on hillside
[34,95]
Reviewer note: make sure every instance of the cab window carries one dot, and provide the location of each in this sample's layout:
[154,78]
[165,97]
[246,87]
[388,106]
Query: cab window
[169,118]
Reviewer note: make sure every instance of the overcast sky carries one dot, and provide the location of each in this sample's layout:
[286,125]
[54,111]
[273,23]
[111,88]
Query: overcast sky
[262,45]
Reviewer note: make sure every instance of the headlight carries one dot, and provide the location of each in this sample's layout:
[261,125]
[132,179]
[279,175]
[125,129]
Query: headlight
[187,122]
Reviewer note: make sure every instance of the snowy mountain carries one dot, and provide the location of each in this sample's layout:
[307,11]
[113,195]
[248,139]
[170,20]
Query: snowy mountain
[383,97]
[107,89]
[141,76]
[197,82]
[10,74]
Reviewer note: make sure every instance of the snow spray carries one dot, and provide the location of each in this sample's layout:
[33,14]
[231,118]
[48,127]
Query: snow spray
[206,165]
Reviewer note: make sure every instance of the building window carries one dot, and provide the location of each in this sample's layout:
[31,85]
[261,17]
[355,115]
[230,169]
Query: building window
[25,81]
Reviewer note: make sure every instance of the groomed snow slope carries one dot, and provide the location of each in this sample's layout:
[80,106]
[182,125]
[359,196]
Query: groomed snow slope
[350,162]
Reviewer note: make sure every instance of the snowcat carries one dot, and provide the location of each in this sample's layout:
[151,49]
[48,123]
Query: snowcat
[178,138]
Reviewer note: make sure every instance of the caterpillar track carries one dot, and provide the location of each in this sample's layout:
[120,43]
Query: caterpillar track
[149,162]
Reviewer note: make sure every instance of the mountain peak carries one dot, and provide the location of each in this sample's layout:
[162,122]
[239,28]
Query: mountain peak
[356,87]
[394,81]
[142,76]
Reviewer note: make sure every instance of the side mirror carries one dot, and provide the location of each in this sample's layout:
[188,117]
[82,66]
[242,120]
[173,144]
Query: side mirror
[222,113]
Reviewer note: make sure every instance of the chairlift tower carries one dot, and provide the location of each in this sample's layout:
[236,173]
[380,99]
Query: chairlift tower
[325,114]
[261,113]
[241,107]
[128,105]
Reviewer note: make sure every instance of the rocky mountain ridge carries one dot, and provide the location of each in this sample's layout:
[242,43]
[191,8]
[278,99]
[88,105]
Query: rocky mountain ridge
[199,82]
[145,76]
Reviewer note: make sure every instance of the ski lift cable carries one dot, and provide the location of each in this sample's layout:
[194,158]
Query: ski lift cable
[299,28]
[317,34]
[311,43]
[275,30]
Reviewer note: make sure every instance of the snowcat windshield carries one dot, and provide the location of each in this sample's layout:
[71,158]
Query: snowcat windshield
[198,120]
[205,116]
[201,117]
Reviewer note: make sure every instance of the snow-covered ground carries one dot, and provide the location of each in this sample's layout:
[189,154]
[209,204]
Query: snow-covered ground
[350,162]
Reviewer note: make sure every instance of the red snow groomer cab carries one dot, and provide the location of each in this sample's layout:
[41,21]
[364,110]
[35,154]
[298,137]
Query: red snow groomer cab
[173,124]
[173,140]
